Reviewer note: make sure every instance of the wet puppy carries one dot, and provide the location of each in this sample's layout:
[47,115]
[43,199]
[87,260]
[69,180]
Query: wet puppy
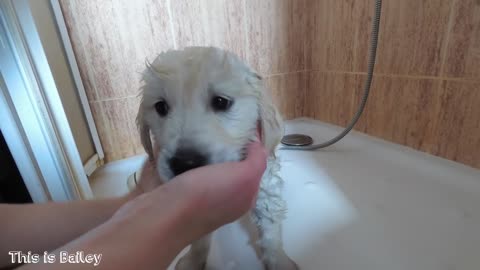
[203,105]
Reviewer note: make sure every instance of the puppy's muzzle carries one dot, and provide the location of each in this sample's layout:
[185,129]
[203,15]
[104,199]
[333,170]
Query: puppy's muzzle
[186,159]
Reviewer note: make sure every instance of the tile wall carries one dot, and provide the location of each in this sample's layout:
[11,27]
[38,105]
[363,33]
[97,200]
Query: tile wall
[313,54]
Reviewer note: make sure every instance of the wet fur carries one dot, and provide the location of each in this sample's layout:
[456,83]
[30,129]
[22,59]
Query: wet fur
[187,79]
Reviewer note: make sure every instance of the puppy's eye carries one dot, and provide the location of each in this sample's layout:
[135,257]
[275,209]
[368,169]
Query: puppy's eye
[162,108]
[221,104]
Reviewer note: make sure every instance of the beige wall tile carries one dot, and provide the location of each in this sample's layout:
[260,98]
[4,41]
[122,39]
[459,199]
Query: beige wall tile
[327,40]
[401,110]
[412,36]
[117,129]
[276,35]
[101,124]
[338,34]
[463,50]
[219,23]
[76,34]
[431,115]
[288,93]
[410,42]
[457,123]
[330,96]
[113,39]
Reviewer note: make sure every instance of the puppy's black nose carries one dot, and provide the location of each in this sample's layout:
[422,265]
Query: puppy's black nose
[186,159]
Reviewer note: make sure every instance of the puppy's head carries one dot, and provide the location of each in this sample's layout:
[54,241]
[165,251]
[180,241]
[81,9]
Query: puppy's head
[203,105]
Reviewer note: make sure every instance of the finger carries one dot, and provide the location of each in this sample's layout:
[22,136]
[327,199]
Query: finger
[259,131]
[256,156]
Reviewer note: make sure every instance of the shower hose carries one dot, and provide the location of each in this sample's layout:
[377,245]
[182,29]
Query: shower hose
[371,66]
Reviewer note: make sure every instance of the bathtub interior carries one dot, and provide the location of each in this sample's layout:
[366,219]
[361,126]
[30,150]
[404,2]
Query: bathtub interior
[361,204]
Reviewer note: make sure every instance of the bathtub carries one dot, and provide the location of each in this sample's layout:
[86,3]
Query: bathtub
[362,204]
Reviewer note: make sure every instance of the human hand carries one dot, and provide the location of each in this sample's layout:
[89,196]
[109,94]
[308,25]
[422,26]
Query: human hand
[217,193]
[149,230]
[146,178]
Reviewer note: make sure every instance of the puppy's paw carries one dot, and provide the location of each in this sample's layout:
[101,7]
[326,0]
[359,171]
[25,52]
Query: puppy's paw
[189,263]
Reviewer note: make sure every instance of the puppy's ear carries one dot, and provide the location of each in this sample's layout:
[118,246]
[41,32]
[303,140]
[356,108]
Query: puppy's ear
[151,76]
[271,123]
[144,130]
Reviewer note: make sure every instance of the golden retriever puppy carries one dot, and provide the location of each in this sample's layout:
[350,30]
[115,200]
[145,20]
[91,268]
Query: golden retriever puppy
[203,105]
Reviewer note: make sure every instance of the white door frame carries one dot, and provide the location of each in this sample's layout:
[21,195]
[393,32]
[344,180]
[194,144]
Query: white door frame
[72,61]
[37,132]
[22,154]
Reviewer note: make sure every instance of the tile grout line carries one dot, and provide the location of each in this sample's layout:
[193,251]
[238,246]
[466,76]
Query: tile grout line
[170,19]
[434,78]
[89,73]
[286,73]
[245,30]
[307,91]
[113,99]
[419,77]
[447,37]
[306,24]
[306,51]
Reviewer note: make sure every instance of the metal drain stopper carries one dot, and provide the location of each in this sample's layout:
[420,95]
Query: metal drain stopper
[297,140]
